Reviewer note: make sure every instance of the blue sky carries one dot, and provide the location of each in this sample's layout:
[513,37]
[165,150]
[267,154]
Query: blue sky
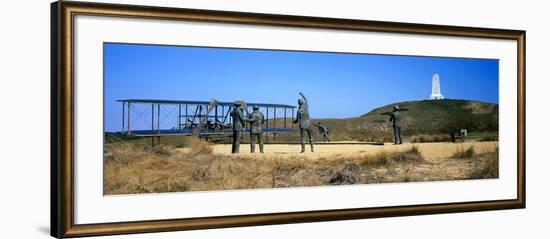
[338,85]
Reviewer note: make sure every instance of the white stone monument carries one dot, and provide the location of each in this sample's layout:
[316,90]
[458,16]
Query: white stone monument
[436,88]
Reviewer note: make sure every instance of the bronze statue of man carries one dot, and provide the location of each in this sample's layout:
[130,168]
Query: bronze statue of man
[256,119]
[238,126]
[395,118]
[304,122]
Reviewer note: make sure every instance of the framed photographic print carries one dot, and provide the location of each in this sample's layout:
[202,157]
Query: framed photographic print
[170,119]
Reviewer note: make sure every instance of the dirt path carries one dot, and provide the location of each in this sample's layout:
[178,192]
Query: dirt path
[429,151]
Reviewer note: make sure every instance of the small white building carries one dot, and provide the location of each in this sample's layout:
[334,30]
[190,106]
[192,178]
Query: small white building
[436,88]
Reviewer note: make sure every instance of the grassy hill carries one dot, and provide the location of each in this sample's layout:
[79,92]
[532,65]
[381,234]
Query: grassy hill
[429,117]
[439,116]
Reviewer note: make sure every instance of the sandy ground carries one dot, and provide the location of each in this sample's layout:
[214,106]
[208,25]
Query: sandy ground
[429,151]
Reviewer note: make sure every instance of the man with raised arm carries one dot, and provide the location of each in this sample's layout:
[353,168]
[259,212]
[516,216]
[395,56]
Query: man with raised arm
[304,122]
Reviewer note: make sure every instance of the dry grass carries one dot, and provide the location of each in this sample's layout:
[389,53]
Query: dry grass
[488,138]
[462,153]
[430,138]
[489,167]
[131,169]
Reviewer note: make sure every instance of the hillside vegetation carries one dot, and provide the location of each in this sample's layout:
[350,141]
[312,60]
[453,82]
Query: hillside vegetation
[438,116]
[426,117]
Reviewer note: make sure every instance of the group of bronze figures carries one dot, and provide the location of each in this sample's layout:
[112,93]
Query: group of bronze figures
[256,120]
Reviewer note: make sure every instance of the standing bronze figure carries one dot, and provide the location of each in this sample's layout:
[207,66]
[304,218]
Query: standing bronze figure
[304,122]
[238,126]
[256,119]
[395,118]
